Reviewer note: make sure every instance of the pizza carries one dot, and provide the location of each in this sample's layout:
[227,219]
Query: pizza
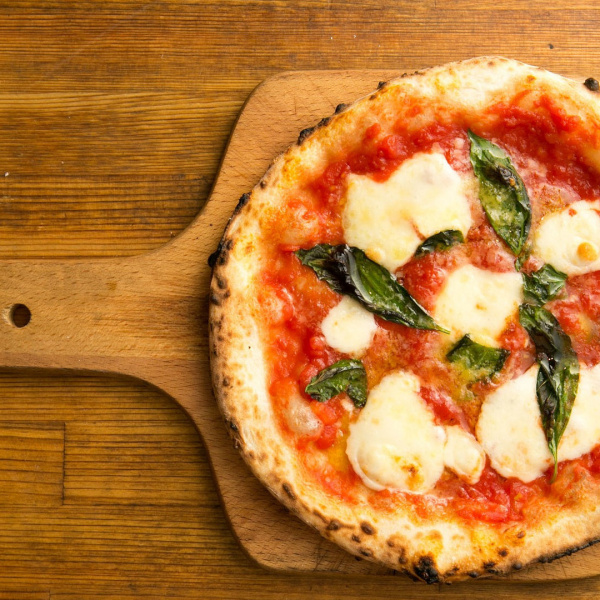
[405,322]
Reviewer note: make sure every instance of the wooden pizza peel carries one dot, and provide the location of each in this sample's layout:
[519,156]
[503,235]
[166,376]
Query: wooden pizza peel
[146,317]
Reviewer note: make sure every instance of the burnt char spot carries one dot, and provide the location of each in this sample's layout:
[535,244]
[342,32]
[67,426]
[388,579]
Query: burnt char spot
[288,490]
[226,382]
[517,566]
[356,539]
[425,569]
[221,282]
[368,529]
[381,84]
[521,535]
[503,552]
[592,84]
[333,525]
[233,426]
[262,183]
[214,299]
[473,574]
[304,134]
[340,107]
[365,552]
[219,256]
[324,122]
[489,565]
[244,198]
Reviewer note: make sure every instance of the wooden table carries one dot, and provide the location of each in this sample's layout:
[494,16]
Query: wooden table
[113,119]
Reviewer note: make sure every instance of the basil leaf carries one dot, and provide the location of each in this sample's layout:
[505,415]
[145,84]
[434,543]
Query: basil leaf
[543,285]
[344,376]
[480,361]
[558,377]
[347,270]
[440,241]
[501,192]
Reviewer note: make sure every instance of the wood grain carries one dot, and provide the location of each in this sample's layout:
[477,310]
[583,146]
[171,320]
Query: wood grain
[113,119]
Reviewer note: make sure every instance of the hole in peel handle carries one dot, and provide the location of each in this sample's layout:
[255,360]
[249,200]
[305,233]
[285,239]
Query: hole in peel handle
[17,315]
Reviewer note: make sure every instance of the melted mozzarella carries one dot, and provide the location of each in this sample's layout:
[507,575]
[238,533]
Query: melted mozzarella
[510,426]
[389,220]
[583,430]
[478,302]
[300,418]
[510,429]
[570,239]
[463,455]
[348,327]
[395,442]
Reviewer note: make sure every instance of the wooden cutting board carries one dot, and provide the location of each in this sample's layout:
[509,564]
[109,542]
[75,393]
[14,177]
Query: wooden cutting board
[146,317]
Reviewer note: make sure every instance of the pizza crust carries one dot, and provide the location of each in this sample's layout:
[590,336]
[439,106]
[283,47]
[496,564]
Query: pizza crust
[437,550]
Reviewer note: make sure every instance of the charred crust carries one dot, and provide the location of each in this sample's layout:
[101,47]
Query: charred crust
[489,565]
[368,529]
[262,184]
[592,84]
[233,426]
[304,134]
[568,551]
[244,198]
[425,570]
[324,122]
[473,574]
[517,566]
[221,282]
[381,84]
[340,108]
[521,535]
[226,382]
[214,299]
[221,254]
[287,488]
[333,525]
[390,543]
[355,538]
[365,552]
[503,552]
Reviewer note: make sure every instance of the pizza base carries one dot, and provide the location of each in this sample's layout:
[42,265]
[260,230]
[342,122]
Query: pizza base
[439,549]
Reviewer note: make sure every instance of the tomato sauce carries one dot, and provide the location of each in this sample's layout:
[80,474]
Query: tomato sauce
[294,304]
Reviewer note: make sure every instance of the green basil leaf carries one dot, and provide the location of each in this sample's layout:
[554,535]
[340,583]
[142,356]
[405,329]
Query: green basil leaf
[543,285]
[347,270]
[501,192]
[347,375]
[558,377]
[480,361]
[440,241]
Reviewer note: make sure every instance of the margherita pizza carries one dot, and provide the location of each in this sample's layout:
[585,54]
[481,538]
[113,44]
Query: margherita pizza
[405,322]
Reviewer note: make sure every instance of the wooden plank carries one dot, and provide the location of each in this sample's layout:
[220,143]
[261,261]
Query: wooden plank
[31,464]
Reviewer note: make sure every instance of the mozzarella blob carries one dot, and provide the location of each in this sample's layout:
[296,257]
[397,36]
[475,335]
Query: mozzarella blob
[389,220]
[478,302]
[395,443]
[348,327]
[463,455]
[583,430]
[569,240]
[510,426]
[510,429]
